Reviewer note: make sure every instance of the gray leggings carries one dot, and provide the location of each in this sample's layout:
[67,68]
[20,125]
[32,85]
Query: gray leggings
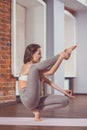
[30,96]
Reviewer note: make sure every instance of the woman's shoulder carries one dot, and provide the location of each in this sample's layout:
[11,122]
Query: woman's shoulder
[25,68]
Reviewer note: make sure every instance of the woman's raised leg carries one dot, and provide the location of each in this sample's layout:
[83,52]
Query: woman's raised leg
[52,102]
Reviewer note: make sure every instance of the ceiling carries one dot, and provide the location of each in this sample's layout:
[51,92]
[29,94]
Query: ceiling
[74,5]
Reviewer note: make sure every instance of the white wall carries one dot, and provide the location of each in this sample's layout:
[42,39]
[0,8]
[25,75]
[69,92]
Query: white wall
[80,82]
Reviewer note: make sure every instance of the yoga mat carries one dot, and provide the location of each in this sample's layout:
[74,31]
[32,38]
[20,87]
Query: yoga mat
[45,121]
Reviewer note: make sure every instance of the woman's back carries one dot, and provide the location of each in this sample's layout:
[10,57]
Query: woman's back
[23,75]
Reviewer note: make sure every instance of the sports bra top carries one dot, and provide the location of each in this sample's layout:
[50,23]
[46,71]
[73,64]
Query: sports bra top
[23,77]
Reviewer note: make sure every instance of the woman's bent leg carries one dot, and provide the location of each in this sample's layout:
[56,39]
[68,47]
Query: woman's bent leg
[46,63]
[52,102]
[31,96]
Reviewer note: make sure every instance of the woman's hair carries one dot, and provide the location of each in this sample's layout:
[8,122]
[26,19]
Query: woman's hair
[29,51]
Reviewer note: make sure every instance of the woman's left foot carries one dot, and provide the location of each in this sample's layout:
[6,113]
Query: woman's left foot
[37,119]
[37,115]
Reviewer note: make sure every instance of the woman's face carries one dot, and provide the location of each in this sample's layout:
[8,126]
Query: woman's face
[37,56]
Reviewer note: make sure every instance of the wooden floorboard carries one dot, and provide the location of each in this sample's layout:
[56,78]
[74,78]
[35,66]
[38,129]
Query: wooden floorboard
[40,128]
[77,108]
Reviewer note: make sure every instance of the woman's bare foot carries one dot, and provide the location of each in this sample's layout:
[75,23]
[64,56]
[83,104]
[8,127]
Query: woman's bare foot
[70,49]
[37,115]
[68,52]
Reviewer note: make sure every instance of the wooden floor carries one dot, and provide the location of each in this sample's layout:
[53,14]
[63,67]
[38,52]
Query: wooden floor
[76,109]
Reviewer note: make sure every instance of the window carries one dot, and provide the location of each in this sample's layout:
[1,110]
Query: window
[28,26]
[69,40]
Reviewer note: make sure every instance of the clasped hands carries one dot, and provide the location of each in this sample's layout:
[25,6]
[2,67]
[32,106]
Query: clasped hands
[69,93]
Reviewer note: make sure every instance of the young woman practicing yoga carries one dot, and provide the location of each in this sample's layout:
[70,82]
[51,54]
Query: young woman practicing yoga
[33,72]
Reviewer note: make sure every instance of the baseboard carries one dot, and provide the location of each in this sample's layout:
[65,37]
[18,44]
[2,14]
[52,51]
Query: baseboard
[18,99]
[79,93]
[7,104]
[11,103]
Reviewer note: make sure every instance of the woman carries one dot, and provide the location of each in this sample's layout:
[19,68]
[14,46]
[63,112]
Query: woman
[32,72]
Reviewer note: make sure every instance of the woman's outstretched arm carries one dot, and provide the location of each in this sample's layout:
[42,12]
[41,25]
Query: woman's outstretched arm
[52,84]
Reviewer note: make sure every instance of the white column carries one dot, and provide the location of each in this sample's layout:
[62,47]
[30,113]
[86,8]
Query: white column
[59,40]
[55,36]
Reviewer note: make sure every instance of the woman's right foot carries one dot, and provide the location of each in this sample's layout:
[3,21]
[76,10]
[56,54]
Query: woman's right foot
[70,49]
[68,52]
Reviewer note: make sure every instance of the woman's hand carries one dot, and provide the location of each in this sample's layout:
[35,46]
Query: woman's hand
[69,93]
